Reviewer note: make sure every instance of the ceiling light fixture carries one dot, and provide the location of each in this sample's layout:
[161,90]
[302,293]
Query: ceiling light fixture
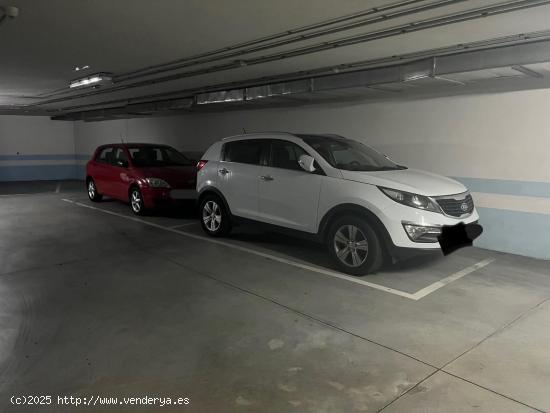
[8,12]
[95,79]
[78,68]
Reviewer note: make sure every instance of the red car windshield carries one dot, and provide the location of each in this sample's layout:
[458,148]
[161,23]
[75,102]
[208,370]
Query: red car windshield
[157,156]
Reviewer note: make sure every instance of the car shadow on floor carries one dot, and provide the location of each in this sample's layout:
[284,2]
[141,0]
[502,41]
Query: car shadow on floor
[304,250]
[316,253]
[182,210]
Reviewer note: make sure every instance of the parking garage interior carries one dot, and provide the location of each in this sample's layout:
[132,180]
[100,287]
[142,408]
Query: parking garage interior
[102,309]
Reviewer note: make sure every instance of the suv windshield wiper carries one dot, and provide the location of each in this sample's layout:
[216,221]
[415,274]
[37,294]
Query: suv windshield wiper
[392,168]
[369,168]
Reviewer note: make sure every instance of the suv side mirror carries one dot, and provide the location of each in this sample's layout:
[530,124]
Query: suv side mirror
[306,162]
[122,163]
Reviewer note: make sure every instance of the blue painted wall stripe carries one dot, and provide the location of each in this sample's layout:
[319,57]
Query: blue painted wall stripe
[80,172]
[38,172]
[495,186]
[515,232]
[508,231]
[506,187]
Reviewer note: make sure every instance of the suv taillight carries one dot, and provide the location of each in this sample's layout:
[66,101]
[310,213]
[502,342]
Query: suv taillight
[200,164]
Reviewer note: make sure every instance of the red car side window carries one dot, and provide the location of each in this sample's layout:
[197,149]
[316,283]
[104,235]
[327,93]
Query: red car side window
[105,155]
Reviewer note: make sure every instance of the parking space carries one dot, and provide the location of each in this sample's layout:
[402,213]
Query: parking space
[412,279]
[268,316]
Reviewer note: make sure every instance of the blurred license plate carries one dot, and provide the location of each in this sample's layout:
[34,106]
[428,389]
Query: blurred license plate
[183,194]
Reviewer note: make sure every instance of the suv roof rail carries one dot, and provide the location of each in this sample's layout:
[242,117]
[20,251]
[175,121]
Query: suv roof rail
[297,135]
[258,133]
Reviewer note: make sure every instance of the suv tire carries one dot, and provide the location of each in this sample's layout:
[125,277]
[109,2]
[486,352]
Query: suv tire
[354,246]
[214,216]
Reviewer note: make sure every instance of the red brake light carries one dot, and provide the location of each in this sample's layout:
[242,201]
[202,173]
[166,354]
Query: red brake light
[200,164]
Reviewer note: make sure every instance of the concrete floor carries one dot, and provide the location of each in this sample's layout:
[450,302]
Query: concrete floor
[94,302]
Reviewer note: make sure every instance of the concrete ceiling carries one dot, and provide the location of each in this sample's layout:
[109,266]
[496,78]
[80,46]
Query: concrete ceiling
[42,46]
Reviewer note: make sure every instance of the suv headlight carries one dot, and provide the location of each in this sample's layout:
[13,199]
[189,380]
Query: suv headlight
[157,183]
[410,199]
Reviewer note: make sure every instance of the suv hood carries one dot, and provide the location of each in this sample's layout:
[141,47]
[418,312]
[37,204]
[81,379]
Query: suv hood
[409,180]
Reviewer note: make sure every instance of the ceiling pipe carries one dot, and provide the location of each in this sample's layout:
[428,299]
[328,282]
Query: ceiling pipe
[431,69]
[253,47]
[532,54]
[477,13]
[282,34]
[214,56]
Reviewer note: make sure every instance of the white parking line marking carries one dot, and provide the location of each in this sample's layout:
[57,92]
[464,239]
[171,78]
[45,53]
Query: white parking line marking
[184,225]
[16,194]
[416,296]
[453,277]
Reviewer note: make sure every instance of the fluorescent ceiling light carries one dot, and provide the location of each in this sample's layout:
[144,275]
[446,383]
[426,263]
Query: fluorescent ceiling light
[235,95]
[410,77]
[98,78]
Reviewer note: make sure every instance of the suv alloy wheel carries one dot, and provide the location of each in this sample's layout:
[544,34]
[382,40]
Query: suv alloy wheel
[214,217]
[354,246]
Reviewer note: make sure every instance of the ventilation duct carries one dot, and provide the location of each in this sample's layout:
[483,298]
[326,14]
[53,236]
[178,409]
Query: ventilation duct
[279,89]
[133,110]
[224,96]
[449,74]
[431,73]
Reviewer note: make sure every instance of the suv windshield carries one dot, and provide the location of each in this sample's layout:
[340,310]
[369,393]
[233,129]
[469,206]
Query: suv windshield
[157,156]
[349,155]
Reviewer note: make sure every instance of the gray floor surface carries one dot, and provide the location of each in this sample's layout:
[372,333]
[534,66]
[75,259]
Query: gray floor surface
[94,303]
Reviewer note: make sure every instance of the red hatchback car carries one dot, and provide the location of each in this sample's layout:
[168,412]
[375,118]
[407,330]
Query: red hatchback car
[145,175]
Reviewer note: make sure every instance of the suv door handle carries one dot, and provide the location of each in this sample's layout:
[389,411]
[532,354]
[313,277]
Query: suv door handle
[223,171]
[266,178]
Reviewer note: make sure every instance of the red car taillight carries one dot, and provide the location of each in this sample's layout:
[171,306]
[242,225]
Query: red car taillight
[201,164]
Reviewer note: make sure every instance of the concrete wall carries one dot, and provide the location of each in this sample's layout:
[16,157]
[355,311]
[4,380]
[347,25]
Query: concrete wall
[499,136]
[496,144]
[36,148]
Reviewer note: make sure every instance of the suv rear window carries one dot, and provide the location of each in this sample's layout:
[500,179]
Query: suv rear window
[245,151]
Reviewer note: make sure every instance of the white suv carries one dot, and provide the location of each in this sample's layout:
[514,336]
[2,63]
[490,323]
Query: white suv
[335,190]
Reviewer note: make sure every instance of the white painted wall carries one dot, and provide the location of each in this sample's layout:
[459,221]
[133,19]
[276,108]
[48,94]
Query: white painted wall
[501,136]
[35,135]
[36,148]
[175,131]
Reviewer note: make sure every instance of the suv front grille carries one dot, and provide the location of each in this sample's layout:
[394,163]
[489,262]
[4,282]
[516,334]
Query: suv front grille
[456,207]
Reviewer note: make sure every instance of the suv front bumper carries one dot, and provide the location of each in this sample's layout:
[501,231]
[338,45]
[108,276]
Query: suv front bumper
[395,219]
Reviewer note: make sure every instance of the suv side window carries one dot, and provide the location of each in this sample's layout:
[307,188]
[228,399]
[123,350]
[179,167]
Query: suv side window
[285,154]
[105,155]
[246,151]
